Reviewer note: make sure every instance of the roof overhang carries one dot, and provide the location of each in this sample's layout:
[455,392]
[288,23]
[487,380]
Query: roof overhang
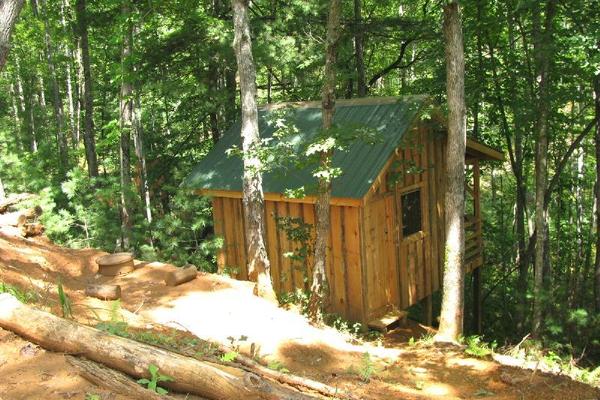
[483,152]
[232,194]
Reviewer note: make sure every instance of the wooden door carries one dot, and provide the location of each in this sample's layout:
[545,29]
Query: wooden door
[413,266]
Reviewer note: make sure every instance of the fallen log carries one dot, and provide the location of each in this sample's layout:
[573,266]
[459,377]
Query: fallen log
[15,199]
[112,380]
[181,275]
[205,379]
[103,292]
[289,379]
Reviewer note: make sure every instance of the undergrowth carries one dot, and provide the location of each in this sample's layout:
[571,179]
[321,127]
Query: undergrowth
[24,296]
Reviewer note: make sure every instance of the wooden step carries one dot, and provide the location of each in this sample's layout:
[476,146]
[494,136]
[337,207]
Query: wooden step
[382,323]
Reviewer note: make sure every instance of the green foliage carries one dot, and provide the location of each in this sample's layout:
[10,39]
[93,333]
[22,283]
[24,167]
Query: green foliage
[476,347]
[24,296]
[92,396]
[182,235]
[276,365]
[64,301]
[230,356]
[155,378]
[367,368]
[300,234]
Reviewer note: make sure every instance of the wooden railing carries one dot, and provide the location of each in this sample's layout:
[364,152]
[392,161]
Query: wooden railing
[473,238]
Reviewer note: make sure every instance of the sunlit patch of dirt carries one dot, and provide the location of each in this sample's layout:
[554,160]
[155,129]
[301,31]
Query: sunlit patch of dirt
[222,310]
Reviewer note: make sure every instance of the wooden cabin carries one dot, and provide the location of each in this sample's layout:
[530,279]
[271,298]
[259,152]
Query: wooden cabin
[386,239]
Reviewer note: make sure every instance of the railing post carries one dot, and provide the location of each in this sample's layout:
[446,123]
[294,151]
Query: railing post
[476,204]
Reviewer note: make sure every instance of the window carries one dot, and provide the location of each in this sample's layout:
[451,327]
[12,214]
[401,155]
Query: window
[411,212]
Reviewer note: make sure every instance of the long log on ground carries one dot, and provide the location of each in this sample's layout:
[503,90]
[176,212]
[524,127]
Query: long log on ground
[103,292]
[181,275]
[289,379]
[192,376]
[112,380]
[12,200]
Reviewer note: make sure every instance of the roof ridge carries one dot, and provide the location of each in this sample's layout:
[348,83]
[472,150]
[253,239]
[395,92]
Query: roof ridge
[357,101]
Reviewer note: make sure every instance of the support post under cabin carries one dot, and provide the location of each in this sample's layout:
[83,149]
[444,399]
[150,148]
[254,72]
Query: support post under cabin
[428,310]
[476,300]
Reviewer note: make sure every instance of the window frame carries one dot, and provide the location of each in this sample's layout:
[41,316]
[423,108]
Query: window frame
[401,192]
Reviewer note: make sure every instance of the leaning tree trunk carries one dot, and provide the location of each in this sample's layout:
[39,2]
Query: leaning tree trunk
[126,106]
[9,11]
[451,317]
[319,293]
[88,99]
[597,140]
[253,197]
[542,49]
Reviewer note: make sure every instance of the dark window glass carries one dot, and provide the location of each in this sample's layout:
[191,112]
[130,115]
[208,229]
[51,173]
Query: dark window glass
[411,213]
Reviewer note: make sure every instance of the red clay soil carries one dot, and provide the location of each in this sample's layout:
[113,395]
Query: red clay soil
[220,309]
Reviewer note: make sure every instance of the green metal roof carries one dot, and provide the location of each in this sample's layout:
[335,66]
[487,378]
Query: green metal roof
[360,164]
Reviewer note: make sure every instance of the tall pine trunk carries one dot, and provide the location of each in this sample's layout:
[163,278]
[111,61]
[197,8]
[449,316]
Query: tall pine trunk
[9,11]
[141,157]
[88,99]
[259,268]
[597,189]
[127,115]
[451,317]
[542,49]
[359,42]
[319,290]
[68,54]
[57,103]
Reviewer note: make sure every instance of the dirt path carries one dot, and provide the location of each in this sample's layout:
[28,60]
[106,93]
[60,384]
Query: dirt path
[220,309]
[29,372]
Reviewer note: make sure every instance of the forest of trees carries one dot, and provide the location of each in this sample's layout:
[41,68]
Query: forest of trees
[105,106]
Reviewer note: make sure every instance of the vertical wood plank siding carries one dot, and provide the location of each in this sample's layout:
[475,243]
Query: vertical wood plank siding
[344,266]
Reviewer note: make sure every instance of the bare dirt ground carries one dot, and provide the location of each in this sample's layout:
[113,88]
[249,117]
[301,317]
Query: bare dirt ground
[223,310]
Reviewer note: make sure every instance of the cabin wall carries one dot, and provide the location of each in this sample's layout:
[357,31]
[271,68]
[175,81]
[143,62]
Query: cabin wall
[344,267]
[401,270]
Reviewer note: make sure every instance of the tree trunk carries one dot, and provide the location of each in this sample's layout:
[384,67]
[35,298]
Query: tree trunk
[127,115]
[61,137]
[359,41]
[9,11]
[203,378]
[88,99]
[141,157]
[17,117]
[597,142]
[68,54]
[319,289]
[253,197]
[452,310]
[25,108]
[542,49]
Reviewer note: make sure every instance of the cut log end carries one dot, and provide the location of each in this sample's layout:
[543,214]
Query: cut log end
[33,229]
[181,275]
[103,292]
